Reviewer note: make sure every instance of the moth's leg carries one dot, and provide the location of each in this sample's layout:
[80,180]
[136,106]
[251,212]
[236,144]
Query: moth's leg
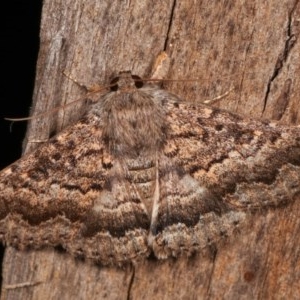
[218,98]
[91,91]
[161,66]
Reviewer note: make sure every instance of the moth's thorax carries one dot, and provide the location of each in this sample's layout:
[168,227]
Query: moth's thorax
[133,122]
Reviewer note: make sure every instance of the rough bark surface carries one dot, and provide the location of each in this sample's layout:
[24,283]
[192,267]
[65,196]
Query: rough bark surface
[251,47]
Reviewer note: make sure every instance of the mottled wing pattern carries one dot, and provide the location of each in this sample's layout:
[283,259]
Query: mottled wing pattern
[142,171]
[68,192]
[221,167]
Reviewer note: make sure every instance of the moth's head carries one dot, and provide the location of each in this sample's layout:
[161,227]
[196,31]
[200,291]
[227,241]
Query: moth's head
[125,81]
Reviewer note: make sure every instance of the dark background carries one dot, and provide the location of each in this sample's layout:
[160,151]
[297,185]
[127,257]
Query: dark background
[19,36]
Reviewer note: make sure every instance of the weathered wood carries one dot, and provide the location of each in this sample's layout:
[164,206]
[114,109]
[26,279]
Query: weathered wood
[249,45]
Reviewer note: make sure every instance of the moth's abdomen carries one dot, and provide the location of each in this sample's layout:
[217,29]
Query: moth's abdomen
[142,173]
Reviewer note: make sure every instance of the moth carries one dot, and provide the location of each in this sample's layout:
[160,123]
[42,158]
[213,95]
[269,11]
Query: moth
[146,172]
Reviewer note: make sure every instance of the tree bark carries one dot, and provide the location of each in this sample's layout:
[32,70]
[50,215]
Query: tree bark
[250,46]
